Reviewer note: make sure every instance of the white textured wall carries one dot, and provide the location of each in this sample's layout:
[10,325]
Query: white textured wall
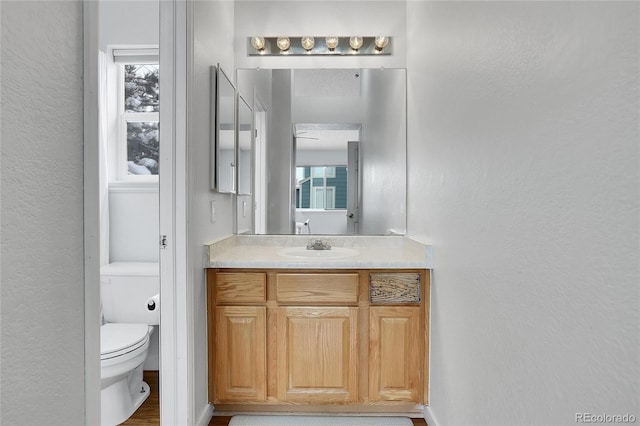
[42,292]
[212,44]
[523,174]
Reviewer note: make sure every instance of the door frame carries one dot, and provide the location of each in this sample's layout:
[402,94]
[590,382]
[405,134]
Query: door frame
[176,331]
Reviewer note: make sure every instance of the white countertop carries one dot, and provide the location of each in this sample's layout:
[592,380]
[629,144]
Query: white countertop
[268,251]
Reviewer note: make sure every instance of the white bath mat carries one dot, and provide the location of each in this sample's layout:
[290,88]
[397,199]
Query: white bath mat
[247,420]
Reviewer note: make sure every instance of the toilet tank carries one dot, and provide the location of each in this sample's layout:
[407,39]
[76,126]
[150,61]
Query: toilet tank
[125,288]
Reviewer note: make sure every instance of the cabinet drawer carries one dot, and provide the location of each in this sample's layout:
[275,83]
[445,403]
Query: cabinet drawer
[395,288]
[241,287]
[317,288]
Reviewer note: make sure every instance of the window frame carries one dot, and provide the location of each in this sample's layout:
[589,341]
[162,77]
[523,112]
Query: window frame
[327,193]
[124,117]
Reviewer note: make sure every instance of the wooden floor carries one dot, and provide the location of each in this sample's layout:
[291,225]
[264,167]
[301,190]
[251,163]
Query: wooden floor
[224,421]
[149,413]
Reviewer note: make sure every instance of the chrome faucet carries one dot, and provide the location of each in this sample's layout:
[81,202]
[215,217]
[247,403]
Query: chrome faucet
[318,245]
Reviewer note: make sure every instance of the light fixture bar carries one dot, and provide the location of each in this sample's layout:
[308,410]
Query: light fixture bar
[299,46]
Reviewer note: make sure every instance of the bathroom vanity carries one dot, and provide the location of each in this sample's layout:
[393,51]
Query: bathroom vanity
[341,330]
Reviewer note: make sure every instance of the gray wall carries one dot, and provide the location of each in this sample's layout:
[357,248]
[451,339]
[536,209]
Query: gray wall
[280,156]
[383,152]
[523,174]
[42,292]
[212,44]
[134,220]
[126,22]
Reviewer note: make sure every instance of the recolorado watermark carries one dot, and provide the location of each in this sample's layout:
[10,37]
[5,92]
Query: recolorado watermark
[605,418]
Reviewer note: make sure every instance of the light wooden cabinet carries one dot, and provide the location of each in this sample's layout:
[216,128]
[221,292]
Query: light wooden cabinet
[241,353]
[318,340]
[395,354]
[318,354]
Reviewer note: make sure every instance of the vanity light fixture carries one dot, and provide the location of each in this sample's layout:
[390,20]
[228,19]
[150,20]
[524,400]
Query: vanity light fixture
[307,42]
[381,42]
[258,43]
[308,45]
[355,42]
[283,44]
[332,42]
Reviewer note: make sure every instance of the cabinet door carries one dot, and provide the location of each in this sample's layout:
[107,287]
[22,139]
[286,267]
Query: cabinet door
[241,353]
[395,353]
[318,354]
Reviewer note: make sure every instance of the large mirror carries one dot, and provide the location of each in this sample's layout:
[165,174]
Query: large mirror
[335,150]
[223,159]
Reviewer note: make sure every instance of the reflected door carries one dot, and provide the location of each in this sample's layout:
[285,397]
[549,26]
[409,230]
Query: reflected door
[353,166]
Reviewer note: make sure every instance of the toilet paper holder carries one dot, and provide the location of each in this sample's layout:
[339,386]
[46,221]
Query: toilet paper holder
[153,302]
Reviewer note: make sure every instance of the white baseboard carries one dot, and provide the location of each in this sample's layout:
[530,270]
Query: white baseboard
[205,416]
[429,417]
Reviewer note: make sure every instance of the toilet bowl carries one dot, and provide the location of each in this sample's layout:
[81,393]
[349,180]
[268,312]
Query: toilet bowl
[126,290]
[123,348]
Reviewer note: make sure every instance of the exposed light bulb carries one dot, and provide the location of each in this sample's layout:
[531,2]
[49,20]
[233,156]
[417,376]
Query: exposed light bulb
[258,43]
[355,42]
[307,42]
[381,42]
[332,42]
[283,43]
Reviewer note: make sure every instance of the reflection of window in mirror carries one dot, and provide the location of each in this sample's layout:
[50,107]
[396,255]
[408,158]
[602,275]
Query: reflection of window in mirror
[321,187]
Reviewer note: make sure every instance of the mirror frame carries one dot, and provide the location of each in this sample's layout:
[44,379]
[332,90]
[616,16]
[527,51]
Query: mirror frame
[219,77]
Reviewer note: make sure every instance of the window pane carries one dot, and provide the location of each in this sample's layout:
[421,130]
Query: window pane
[143,148]
[141,90]
[318,198]
[331,198]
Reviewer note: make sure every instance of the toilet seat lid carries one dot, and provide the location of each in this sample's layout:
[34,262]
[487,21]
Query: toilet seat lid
[115,337]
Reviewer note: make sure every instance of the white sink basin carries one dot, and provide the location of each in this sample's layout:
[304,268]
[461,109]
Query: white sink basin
[303,253]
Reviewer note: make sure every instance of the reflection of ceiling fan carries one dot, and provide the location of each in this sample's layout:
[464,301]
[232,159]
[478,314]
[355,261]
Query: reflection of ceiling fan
[305,137]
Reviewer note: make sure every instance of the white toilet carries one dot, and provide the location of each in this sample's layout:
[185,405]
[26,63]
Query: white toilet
[130,308]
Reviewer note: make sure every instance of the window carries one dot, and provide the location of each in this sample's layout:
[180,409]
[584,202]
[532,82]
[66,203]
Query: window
[323,198]
[139,116]
[321,187]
